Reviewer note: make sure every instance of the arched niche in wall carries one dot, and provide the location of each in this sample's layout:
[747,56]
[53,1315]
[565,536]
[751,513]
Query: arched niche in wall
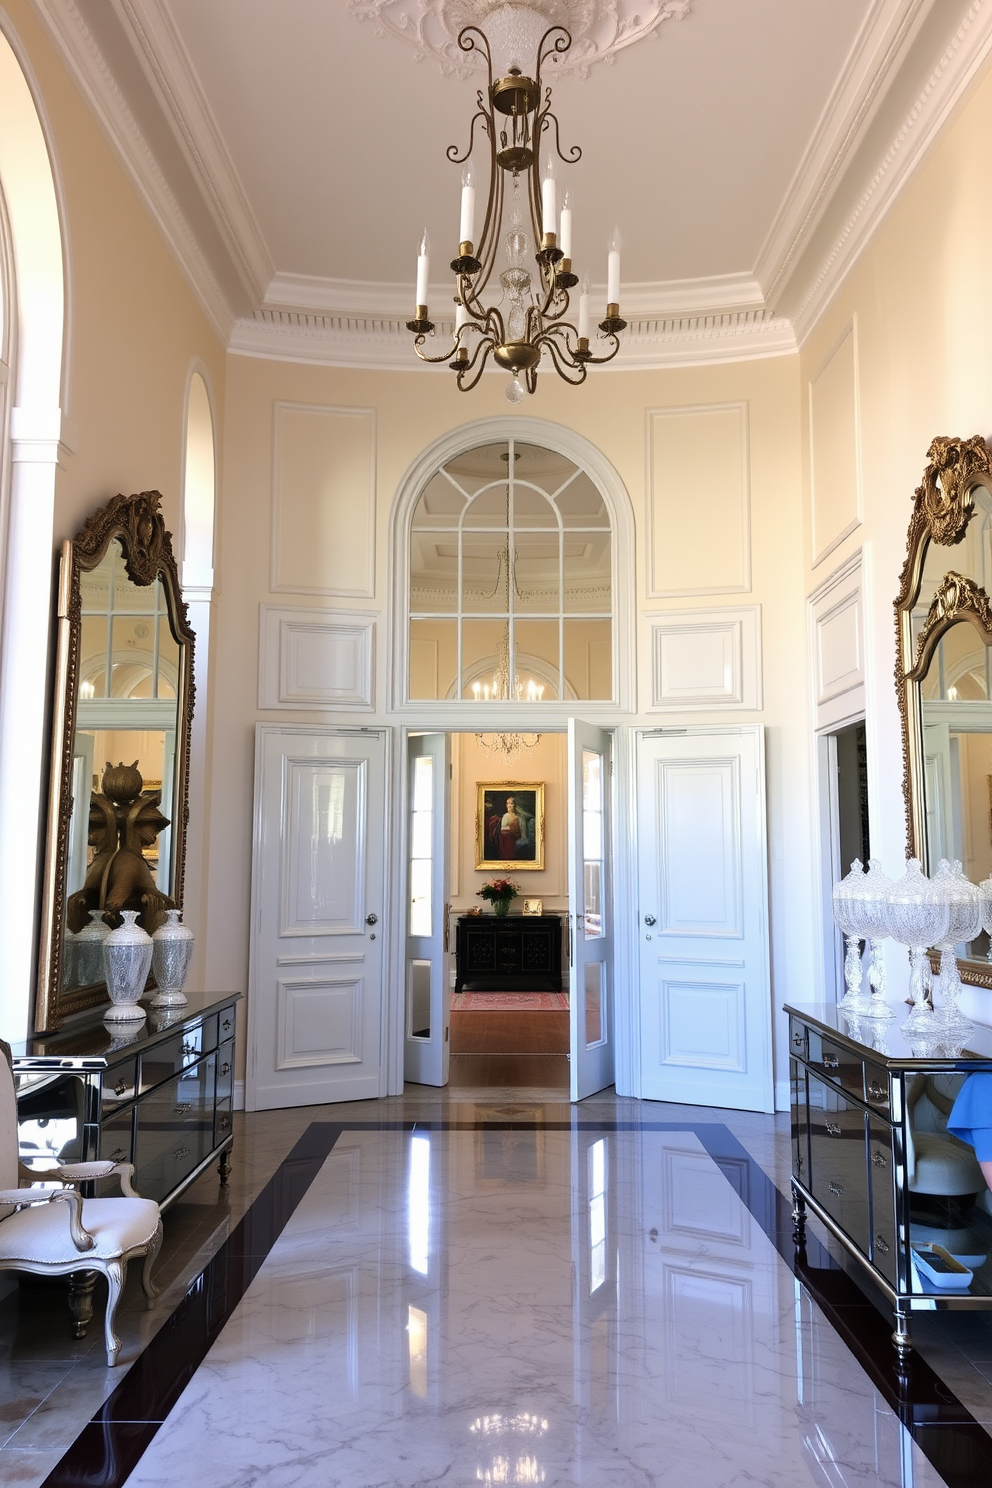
[511,542]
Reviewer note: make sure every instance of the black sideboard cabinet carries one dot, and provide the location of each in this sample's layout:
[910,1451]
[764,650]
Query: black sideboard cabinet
[516,953]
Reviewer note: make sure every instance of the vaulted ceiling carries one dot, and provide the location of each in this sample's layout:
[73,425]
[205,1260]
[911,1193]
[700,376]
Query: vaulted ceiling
[292,157]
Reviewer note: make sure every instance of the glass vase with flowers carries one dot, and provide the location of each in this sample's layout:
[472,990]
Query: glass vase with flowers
[500,893]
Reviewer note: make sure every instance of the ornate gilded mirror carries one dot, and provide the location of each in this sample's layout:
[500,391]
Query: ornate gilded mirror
[944,670]
[122,713]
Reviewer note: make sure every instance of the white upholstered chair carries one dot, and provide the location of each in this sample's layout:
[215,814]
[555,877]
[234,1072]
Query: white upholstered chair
[55,1231]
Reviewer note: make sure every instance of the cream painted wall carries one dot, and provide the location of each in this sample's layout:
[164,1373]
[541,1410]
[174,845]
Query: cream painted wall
[471,763]
[920,299]
[612,411]
[133,325]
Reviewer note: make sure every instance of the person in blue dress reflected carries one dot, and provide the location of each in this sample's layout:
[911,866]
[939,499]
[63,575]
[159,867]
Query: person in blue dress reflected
[971,1118]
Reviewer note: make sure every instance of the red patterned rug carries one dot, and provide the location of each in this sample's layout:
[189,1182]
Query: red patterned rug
[509,1001]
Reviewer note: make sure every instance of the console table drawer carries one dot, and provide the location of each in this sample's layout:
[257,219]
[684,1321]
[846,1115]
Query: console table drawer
[119,1083]
[170,1057]
[175,1129]
[838,1159]
[835,1063]
[884,1241]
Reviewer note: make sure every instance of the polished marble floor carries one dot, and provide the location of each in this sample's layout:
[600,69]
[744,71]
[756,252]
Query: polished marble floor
[498,1290]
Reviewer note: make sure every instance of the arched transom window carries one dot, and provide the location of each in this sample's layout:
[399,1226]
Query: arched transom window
[511,588]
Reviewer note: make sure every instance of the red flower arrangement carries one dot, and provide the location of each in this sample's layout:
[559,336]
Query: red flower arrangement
[499,892]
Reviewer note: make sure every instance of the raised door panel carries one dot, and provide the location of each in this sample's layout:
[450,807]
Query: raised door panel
[323,871]
[699,835]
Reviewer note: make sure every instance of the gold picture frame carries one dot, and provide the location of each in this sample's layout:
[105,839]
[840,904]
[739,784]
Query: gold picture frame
[509,813]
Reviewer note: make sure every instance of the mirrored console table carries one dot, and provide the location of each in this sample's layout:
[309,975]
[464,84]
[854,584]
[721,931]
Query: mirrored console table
[159,1096]
[871,1158]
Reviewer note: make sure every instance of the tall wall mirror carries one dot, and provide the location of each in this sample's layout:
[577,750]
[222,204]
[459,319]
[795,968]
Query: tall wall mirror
[122,712]
[944,670]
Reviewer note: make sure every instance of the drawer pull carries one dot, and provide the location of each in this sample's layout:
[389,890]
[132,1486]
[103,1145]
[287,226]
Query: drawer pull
[836,1189]
[119,1156]
[830,1061]
[121,1086]
[225,1068]
[797,1040]
[833,1130]
[190,1048]
[180,1153]
[882,1246]
[225,1122]
[183,1107]
[879,1160]
[226,1024]
[878,1093]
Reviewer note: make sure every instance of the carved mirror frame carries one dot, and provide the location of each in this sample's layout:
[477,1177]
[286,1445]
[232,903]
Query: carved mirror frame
[942,509]
[137,523]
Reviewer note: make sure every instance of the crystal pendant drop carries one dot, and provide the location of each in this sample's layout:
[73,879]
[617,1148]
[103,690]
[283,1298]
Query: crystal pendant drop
[513,392]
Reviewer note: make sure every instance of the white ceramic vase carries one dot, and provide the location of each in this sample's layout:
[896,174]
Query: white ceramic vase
[172,947]
[127,959]
[89,950]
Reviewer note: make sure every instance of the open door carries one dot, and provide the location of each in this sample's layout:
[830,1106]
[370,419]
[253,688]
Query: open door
[426,1048]
[590,918]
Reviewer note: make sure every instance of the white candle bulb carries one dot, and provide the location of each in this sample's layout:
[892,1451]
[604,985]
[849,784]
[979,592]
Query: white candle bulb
[613,270]
[466,232]
[462,317]
[565,228]
[584,307]
[548,199]
[423,268]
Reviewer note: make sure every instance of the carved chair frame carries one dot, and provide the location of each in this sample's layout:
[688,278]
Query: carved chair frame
[147,548]
[942,509]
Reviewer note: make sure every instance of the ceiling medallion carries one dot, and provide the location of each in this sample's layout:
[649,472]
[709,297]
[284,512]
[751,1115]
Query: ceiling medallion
[526,322]
[599,28]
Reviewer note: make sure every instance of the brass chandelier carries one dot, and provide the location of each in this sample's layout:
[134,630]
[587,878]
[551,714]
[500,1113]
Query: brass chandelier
[514,113]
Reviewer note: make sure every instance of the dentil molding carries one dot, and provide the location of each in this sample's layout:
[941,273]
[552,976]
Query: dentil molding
[599,28]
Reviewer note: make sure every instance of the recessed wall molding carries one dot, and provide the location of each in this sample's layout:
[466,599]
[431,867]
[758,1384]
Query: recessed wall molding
[316,659]
[706,660]
[835,446]
[323,500]
[837,646]
[703,445]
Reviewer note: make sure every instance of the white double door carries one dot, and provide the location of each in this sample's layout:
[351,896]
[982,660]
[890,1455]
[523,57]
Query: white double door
[590,921]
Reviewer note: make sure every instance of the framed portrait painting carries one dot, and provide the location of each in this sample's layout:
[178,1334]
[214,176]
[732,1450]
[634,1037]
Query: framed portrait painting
[509,824]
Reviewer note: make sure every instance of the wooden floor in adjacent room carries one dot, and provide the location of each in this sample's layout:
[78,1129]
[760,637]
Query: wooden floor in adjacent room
[490,1048]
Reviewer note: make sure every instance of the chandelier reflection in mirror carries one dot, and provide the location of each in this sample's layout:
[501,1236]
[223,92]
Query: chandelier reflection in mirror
[529,321]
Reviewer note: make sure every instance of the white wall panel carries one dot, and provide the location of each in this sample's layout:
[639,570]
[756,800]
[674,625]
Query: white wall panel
[706,659]
[320,1022]
[697,461]
[323,500]
[837,647]
[311,658]
[835,465]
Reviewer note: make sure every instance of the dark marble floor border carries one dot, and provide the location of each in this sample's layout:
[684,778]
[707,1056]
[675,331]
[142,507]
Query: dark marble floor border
[109,1447]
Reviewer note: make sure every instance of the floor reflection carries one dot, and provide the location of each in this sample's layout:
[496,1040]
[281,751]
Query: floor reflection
[533,1306]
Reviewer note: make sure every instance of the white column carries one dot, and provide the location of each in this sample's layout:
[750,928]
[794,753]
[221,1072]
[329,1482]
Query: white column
[37,443]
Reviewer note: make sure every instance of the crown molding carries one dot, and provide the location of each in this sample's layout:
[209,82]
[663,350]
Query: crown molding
[81,55]
[382,343]
[170,71]
[881,163]
[868,70]
[346,297]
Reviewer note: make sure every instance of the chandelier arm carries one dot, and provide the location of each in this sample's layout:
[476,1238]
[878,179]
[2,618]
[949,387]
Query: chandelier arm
[480,355]
[444,357]
[574,373]
[531,378]
[558,48]
[489,240]
[452,150]
[575,153]
[467,43]
[599,360]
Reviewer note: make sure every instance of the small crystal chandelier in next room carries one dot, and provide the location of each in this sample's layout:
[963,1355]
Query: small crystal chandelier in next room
[525,239]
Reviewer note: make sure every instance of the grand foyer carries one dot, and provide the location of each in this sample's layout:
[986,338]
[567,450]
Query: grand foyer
[194,303]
